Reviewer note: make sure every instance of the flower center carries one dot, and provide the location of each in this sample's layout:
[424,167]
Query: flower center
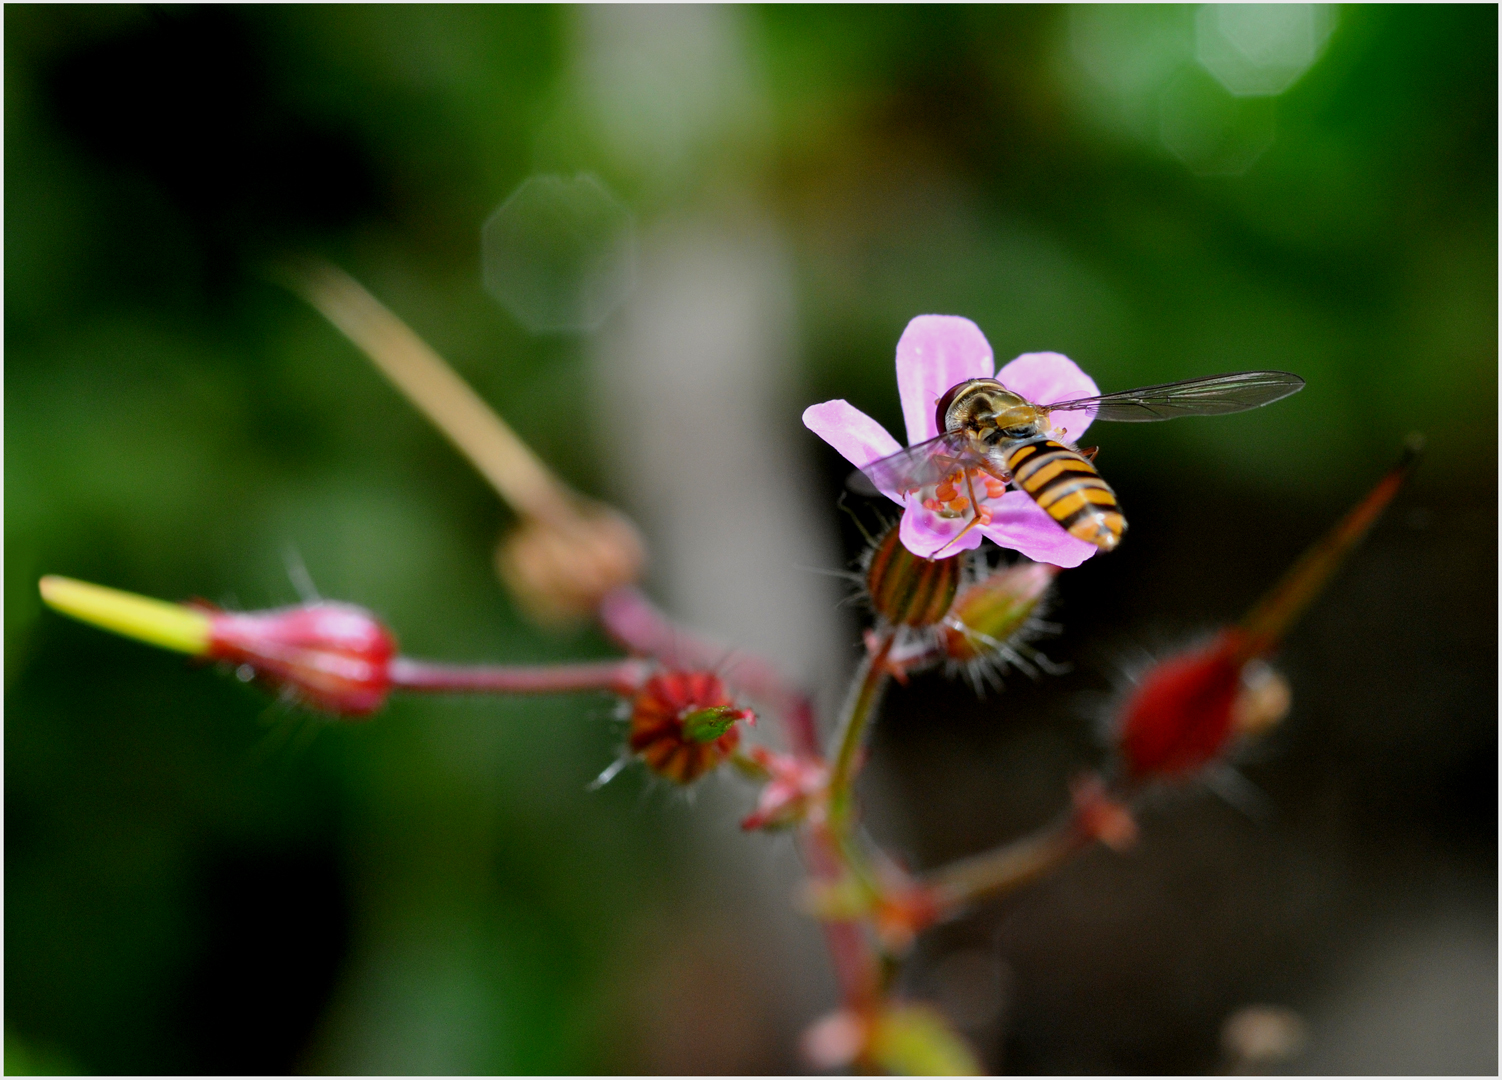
[963,494]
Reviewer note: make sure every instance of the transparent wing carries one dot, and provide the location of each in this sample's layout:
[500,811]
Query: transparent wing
[1214,395]
[917,466]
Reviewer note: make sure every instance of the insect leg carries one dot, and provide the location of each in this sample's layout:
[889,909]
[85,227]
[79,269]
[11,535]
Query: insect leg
[974,516]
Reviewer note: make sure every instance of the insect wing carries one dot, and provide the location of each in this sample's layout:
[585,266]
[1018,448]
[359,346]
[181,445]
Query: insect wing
[916,467]
[1215,395]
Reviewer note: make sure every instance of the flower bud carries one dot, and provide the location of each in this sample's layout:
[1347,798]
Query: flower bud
[907,590]
[1179,715]
[332,657]
[683,724]
[989,612]
[992,617]
[1187,708]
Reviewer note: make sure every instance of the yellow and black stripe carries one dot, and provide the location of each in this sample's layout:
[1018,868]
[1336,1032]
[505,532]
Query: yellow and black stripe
[1068,487]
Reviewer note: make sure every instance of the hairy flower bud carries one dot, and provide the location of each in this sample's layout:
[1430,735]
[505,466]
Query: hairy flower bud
[993,615]
[1179,715]
[683,724]
[907,590]
[1186,709]
[332,657]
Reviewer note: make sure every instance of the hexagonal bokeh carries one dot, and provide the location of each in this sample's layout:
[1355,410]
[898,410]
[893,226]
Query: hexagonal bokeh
[1261,49]
[1211,130]
[560,254]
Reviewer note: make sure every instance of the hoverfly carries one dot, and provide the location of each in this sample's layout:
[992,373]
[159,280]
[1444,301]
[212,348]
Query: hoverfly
[993,437]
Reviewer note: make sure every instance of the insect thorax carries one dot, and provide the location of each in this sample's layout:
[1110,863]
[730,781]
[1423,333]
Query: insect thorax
[982,405]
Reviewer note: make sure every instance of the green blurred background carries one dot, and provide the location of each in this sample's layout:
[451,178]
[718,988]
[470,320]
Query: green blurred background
[198,880]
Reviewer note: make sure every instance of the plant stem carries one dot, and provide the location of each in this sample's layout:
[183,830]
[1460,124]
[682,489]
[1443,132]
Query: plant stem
[423,377]
[1008,867]
[871,679]
[623,677]
[856,966]
[1276,612]
[639,626]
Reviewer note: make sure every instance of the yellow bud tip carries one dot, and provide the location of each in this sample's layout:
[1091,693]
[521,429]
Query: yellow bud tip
[156,622]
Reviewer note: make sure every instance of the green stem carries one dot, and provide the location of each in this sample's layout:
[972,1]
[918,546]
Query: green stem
[1008,867]
[871,680]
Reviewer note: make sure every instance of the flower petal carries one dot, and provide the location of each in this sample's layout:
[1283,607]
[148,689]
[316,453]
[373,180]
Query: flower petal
[1046,377]
[935,353]
[1019,524]
[854,434]
[924,533]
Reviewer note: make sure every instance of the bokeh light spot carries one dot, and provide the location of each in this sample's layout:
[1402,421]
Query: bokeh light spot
[1212,131]
[1261,49]
[560,254]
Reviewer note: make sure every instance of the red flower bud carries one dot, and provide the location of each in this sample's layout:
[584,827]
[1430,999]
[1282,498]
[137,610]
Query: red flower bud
[682,724]
[1179,716]
[1188,708]
[334,657]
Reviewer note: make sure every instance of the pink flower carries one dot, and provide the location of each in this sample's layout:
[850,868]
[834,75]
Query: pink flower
[935,353]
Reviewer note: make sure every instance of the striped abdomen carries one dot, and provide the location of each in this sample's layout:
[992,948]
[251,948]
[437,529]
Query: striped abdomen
[1068,487]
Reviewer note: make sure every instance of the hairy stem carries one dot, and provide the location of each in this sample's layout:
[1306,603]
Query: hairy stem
[871,679]
[623,677]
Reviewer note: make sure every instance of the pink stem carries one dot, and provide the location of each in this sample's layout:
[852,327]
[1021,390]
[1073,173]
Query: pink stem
[638,626]
[855,964]
[623,677]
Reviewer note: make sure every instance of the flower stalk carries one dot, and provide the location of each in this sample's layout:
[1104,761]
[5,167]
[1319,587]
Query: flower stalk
[621,677]
[1266,623]
[1096,815]
[871,680]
